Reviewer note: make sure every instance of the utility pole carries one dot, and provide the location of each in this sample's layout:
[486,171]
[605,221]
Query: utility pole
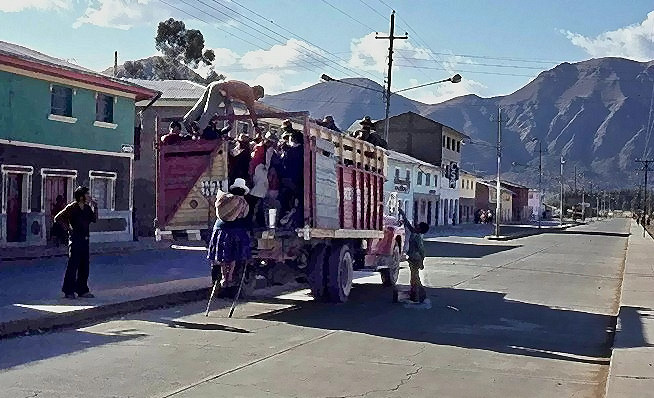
[575,174]
[562,163]
[115,63]
[645,163]
[540,181]
[391,38]
[498,208]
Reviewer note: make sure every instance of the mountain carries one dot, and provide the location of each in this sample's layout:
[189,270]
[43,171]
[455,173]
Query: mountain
[148,72]
[594,113]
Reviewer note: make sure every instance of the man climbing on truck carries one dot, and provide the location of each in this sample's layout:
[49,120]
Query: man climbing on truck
[222,92]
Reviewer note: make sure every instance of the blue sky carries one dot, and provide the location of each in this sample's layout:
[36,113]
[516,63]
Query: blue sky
[498,46]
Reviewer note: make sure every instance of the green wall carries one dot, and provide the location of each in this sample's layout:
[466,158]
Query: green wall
[25,106]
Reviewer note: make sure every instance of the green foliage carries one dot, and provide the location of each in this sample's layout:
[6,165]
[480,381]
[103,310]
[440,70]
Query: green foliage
[179,45]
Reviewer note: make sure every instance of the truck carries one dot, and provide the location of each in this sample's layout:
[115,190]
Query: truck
[345,224]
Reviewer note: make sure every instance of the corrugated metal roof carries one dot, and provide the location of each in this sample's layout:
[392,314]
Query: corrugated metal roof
[173,89]
[29,54]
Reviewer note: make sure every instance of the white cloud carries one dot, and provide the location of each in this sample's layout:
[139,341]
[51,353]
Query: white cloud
[118,14]
[272,82]
[293,54]
[444,91]
[633,41]
[40,5]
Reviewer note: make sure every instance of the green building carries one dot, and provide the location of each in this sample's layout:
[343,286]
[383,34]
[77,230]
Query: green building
[61,126]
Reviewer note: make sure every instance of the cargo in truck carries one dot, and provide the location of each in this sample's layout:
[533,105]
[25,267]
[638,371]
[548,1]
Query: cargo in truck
[341,227]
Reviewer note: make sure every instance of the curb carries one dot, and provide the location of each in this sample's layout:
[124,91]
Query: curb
[504,238]
[63,252]
[85,316]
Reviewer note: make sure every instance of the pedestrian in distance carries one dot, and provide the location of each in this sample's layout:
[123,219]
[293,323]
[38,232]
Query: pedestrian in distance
[76,219]
[416,254]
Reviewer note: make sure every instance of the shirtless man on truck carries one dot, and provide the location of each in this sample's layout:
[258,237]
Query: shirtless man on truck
[222,92]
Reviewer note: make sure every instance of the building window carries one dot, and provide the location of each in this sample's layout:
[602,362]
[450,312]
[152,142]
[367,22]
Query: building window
[435,180]
[419,178]
[443,141]
[448,143]
[104,108]
[61,103]
[458,146]
[427,179]
[103,188]
[408,175]
[397,174]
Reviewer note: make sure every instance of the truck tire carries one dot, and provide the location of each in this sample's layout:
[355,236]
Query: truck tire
[340,272]
[389,275]
[316,271]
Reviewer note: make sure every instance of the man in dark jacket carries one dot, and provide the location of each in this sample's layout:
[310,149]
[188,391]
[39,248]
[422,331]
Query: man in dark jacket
[76,219]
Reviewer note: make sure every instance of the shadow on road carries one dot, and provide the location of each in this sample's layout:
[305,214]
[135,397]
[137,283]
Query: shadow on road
[467,319]
[451,249]
[631,327]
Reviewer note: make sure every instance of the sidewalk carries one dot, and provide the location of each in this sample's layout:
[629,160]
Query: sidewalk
[632,362]
[31,298]
[26,253]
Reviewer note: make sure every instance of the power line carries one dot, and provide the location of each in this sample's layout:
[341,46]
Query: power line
[337,65]
[276,41]
[480,64]
[514,59]
[371,29]
[649,121]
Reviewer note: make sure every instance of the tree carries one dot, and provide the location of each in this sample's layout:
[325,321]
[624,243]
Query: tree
[134,69]
[182,45]
[212,76]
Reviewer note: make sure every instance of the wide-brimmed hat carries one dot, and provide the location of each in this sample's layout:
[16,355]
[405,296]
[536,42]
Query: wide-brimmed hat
[366,121]
[287,122]
[243,137]
[328,118]
[240,183]
[270,136]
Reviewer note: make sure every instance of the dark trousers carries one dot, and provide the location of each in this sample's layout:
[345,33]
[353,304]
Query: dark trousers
[77,271]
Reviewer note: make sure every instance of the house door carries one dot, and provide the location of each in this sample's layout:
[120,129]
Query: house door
[55,195]
[428,213]
[438,208]
[415,212]
[14,207]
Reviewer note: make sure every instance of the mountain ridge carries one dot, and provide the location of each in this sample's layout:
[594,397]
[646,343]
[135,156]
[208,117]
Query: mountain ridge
[593,113]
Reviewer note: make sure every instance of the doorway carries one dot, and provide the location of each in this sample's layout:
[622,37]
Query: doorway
[55,197]
[15,231]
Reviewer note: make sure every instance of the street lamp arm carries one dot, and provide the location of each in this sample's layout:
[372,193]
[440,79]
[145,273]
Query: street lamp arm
[454,79]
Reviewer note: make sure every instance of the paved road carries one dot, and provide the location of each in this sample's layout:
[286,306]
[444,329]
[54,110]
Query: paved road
[524,318]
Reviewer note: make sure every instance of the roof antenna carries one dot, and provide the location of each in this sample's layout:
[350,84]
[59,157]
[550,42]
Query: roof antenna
[115,63]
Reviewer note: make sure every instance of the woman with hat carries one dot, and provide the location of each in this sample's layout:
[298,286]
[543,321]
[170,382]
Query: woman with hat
[229,247]
[239,159]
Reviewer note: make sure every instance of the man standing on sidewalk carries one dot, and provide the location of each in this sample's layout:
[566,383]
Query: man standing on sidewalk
[76,218]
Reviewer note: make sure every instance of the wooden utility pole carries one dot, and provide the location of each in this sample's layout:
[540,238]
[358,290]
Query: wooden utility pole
[646,168]
[391,38]
[115,63]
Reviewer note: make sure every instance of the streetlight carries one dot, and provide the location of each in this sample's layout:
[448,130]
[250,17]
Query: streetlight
[454,79]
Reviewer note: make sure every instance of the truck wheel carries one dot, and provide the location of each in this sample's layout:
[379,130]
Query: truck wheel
[389,275]
[340,271]
[316,271]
